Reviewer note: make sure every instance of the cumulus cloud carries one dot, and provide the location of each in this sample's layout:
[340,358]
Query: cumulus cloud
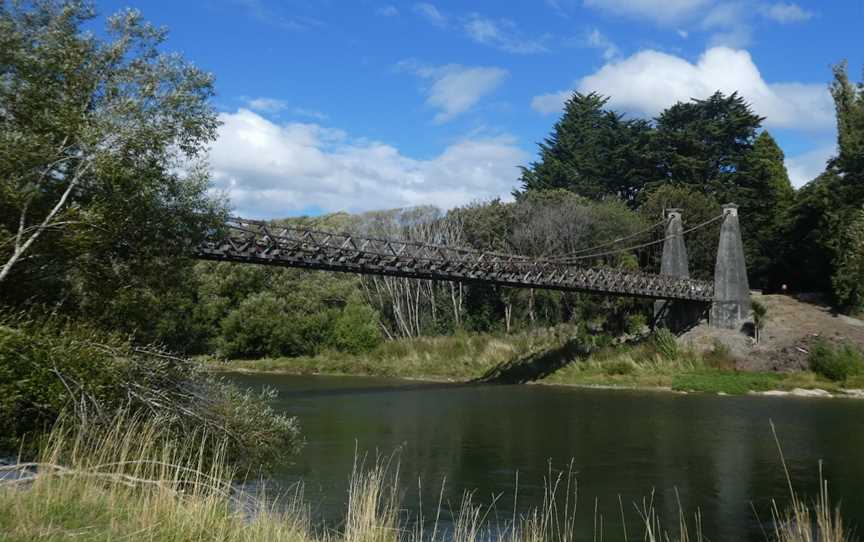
[805,167]
[455,89]
[649,81]
[785,13]
[502,34]
[430,13]
[272,170]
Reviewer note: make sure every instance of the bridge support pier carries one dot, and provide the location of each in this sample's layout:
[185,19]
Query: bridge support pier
[675,315]
[731,306]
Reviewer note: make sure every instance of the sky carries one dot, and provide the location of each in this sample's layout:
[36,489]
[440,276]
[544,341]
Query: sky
[356,105]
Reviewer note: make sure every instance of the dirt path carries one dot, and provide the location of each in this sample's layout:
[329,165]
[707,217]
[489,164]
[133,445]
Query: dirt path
[793,324]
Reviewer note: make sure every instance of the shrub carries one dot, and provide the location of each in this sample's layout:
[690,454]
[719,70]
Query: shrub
[666,343]
[619,367]
[719,357]
[51,369]
[357,328]
[267,325]
[838,363]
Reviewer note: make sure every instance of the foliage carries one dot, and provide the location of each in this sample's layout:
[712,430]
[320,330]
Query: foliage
[666,344]
[836,363]
[51,368]
[704,143]
[593,152]
[848,278]
[760,316]
[357,328]
[719,357]
[95,214]
[765,196]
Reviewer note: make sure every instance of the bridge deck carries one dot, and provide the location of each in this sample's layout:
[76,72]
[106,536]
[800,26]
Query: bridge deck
[257,243]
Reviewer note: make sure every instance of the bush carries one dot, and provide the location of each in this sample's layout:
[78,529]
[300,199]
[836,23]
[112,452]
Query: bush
[719,357]
[666,344]
[51,369]
[357,329]
[619,367]
[267,325]
[838,363]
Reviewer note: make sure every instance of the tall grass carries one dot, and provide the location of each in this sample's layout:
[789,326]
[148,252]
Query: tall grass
[120,486]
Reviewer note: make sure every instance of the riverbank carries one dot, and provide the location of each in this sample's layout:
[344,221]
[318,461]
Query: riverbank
[554,356]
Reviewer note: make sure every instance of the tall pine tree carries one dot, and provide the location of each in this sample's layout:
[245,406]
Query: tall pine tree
[593,152]
[704,142]
[765,195]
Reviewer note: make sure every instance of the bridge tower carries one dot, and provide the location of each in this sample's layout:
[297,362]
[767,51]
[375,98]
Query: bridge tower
[676,315]
[731,306]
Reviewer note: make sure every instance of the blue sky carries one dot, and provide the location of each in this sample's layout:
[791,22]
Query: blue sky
[332,105]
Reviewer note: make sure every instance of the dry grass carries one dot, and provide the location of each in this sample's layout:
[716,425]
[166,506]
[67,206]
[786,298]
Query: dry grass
[117,486]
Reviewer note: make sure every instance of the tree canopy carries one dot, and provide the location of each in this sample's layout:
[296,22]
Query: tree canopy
[100,141]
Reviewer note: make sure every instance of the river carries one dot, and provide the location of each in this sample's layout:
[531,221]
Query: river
[713,452]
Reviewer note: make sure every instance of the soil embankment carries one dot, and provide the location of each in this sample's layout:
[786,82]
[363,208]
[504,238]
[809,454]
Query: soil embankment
[793,324]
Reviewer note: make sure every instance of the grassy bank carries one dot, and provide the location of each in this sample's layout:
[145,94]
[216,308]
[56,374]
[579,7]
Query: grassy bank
[553,357]
[120,486]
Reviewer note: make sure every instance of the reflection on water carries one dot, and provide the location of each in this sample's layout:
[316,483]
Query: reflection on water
[717,452]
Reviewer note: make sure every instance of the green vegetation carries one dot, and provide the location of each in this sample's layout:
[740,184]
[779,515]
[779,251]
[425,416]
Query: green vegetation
[54,369]
[658,362]
[836,363]
[161,492]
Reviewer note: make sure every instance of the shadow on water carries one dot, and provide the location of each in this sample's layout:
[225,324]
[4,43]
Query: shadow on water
[536,366]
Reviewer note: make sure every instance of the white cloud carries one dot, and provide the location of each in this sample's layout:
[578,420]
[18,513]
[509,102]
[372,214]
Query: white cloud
[660,11]
[649,81]
[455,89]
[597,40]
[502,34]
[430,13]
[267,105]
[785,13]
[272,170]
[805,167]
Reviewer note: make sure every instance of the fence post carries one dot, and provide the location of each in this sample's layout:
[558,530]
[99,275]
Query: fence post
[731,306]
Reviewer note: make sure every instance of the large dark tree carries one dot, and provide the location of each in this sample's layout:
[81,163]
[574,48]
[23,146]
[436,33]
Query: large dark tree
[823,235]
[593,152]
[704,143]
[765,195]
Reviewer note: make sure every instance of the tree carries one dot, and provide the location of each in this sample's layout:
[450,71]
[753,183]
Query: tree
[593,152]
[703,143]
[849,105]
[765,196]
[848,278]
[101,189]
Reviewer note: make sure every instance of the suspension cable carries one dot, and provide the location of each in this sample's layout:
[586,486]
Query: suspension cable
[644,245]
[612,242]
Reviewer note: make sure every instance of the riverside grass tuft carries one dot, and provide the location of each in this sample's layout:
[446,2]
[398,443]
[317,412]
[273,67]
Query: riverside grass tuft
[122,486]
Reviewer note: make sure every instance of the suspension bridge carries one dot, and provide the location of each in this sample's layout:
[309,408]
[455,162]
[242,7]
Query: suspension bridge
[586,270]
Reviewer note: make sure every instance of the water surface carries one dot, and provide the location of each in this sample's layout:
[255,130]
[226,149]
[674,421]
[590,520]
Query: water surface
[717,453]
